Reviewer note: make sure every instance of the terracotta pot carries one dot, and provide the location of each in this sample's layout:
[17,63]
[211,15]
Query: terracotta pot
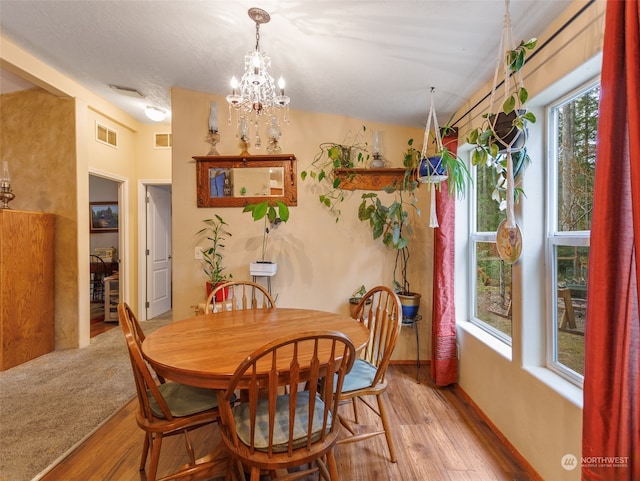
[221,295]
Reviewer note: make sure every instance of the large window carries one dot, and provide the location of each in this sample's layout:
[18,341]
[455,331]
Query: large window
[492,279]
[572,147]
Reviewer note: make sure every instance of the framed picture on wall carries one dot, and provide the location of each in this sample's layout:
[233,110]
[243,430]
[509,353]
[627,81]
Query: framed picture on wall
[103,216]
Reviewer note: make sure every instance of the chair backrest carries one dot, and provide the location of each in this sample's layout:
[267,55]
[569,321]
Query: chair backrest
[304,359]
[380,310]
[145,383]
[237,295]
[135,327]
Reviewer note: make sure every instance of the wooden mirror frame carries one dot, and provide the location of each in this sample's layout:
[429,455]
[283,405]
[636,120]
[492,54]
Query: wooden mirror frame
[203,164]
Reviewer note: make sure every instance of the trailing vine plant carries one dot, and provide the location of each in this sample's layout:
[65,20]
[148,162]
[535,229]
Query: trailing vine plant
[350,153]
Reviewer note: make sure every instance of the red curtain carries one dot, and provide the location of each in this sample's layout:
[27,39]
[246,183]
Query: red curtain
[444,359]
[611,414]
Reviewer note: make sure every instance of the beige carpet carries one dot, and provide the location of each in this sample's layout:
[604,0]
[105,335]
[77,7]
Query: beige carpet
[52,403]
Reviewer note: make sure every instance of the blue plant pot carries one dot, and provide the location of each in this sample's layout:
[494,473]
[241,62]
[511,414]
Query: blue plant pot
[431,170]
[410,304]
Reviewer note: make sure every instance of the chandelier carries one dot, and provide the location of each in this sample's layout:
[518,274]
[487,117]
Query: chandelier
[255,100]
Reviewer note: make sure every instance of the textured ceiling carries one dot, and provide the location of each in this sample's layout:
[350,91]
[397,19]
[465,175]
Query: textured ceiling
[374,60]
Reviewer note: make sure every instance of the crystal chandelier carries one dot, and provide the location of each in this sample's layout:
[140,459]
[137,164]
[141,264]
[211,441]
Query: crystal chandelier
[255,100]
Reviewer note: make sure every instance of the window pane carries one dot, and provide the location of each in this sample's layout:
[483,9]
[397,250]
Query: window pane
[571,272]
[488,213]
[576,156]
[493,288]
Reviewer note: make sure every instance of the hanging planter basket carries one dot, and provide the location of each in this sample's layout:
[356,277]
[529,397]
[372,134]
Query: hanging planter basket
[507,135]
[431,170]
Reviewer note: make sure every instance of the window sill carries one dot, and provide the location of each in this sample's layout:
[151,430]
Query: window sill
[558,384]
[483,336]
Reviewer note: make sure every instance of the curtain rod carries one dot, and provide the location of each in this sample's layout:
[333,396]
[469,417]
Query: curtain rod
[547,42]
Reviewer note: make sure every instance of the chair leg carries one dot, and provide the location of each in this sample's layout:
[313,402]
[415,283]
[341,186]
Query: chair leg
[145,451]
[255,474]
[387,431]
[156,444]
[333,468]
[355,409]
[189,447]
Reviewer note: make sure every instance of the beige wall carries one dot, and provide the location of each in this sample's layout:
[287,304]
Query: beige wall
[320,263]
[38,140]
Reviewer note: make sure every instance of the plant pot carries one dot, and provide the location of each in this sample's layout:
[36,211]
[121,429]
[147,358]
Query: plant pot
[221,295]
[263,268]
[506,133]
[353,303]
[410,304]
[431,170]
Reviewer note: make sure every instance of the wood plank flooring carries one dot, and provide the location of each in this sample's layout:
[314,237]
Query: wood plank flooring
[438,437]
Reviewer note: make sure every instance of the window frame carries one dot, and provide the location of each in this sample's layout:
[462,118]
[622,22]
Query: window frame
[475,237]
[555,237]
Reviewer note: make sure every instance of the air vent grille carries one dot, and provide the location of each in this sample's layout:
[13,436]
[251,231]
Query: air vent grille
[163,140]
[106,135]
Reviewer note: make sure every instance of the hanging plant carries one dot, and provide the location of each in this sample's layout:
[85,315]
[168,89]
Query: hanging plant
[503,133]
[444,166]
[352,152]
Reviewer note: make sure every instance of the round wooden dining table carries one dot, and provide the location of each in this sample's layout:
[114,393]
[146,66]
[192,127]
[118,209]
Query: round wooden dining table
[205,350]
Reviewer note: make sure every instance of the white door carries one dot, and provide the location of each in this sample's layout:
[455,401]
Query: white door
[158,250]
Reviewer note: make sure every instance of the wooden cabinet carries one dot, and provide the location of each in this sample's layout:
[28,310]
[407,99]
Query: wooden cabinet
[26,286]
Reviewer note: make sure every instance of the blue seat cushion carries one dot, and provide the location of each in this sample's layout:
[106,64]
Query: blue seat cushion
[281,422]
[184,400]
[360,376]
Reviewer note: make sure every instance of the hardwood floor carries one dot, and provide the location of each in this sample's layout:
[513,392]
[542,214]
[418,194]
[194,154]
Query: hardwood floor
[97,323]
[438,437]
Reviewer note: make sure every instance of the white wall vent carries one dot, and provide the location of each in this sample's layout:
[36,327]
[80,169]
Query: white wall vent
[106,135]
[163,140]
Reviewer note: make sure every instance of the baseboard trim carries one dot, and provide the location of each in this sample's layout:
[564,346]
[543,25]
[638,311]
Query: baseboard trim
[516,454]
[412,362]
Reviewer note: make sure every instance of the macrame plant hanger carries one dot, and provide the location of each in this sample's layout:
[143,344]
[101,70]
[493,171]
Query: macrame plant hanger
[506,42]
[435,179]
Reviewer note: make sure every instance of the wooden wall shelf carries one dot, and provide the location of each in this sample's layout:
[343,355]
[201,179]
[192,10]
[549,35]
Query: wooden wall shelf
[369,179]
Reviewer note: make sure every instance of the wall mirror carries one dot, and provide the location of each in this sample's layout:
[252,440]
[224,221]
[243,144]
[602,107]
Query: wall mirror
[235,181]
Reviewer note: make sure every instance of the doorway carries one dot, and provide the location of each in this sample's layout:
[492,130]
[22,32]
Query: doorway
[104,250]
[156,253]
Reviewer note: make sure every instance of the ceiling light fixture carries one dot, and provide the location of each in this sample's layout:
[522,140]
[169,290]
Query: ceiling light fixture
[255,98]
[155,114]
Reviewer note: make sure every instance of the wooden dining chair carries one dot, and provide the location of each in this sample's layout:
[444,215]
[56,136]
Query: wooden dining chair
[288,428]
[380,310]
[237,295]
[167,408]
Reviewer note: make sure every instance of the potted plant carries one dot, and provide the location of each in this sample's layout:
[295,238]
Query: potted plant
[355,299]
[273,215]
[392,224]
[350,153]
[212,256]
[505,132]
[505,129]
[445,166]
